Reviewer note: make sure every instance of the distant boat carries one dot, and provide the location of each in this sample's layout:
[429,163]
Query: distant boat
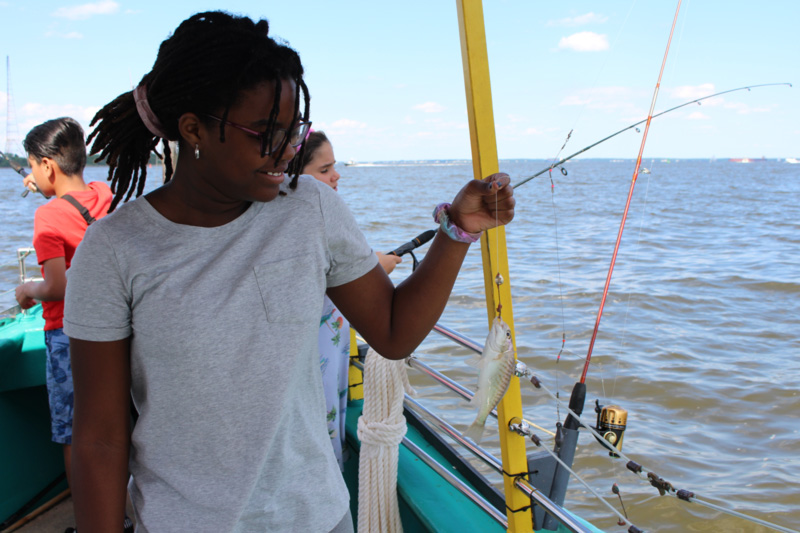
[350,163]
[746,160]
[792,160]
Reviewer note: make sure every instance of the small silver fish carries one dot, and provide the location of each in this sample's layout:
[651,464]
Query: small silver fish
[496,366]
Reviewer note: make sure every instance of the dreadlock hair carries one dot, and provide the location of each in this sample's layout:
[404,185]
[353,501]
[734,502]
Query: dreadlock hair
[313,141]
[204,65]
[61,140]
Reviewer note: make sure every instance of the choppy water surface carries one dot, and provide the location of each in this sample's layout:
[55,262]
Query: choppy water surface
[699,338]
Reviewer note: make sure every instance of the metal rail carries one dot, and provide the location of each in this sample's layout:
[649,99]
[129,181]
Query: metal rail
[454,434]
[446,428]
[458,338]
[454,386]
[553,509]
[547,505]
[556,511]
[459,389]
[459,485]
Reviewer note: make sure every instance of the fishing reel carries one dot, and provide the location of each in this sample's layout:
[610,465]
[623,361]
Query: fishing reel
[611,424]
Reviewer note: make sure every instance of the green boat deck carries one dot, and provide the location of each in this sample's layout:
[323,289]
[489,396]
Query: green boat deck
[30,460]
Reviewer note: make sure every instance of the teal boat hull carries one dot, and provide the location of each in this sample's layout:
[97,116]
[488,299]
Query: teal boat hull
[427,502]
[29,460]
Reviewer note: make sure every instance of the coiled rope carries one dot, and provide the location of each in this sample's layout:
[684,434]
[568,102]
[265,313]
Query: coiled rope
[381,428]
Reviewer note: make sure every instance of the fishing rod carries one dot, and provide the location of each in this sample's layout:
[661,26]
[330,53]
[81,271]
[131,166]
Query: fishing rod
[663,486]
[695,101]
[21,172]
[416,242]
[628,202]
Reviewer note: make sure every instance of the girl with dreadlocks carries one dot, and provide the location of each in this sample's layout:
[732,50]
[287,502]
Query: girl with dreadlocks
[202,299]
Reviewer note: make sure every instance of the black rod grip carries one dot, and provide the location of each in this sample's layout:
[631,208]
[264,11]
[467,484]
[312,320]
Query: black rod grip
[416,242]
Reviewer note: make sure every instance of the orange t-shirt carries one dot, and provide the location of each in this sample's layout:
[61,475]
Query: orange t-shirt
[58,228]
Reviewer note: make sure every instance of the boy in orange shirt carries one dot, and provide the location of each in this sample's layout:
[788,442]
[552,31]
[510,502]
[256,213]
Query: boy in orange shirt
[57,155]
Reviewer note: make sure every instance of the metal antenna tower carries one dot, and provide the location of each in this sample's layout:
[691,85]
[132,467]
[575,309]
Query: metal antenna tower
[13,144]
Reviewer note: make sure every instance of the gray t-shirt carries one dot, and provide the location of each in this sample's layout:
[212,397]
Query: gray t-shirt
[225,370]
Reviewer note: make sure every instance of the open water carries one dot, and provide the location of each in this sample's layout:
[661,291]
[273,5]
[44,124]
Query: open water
[699,339]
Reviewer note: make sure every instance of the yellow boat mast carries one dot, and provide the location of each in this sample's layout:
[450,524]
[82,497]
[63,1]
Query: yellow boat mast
[493,247]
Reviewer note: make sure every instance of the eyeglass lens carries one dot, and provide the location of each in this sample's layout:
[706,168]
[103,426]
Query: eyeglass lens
[296,136]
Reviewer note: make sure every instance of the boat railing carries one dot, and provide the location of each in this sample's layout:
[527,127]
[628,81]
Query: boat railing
[22,254]
[535,495]
[553,509]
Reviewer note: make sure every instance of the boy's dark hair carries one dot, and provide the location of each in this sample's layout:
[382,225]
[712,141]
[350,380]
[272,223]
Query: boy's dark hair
[205,64]
[314,140]
[60,139]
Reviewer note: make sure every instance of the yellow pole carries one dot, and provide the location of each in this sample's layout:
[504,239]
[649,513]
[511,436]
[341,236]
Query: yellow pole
[355,376]
[493,246]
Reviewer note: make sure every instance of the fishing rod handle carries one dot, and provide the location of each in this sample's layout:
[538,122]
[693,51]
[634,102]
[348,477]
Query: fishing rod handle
[416,242]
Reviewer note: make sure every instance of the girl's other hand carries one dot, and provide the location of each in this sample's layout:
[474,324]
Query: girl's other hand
[388,261]
[484,204]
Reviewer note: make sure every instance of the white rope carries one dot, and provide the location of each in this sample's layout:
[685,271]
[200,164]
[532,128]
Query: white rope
[381,428]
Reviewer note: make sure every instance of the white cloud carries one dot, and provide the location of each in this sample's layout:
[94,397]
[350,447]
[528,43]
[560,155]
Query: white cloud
[429,107]
[691,92]
[697,115]
[33,114]
[744,109]
[84,11]
[575,99]
[516,118]
[70,35]
[580,20]
[607,98]
[585,41]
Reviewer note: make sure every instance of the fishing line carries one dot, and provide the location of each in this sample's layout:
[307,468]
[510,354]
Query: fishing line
[664,487]
[634,262]
[498,279]
[677,53]
[602,68]
[748,88]
[628,202]
[538,442]
[558,271]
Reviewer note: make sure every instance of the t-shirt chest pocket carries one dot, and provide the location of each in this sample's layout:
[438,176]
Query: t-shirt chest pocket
[292,289]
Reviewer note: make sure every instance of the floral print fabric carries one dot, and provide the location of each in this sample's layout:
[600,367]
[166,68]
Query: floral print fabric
[334,354]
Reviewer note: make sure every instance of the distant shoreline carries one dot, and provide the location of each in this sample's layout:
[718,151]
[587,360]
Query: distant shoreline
[455,162]
[458,162]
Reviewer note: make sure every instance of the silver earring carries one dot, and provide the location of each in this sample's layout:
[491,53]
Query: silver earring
[197,151]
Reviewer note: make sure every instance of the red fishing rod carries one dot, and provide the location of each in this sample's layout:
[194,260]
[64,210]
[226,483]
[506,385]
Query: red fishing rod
[630,195]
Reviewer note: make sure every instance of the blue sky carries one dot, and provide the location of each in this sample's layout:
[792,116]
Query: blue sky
[386,79]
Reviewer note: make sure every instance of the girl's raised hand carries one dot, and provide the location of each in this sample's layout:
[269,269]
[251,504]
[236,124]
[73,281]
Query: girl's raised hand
[484,204]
